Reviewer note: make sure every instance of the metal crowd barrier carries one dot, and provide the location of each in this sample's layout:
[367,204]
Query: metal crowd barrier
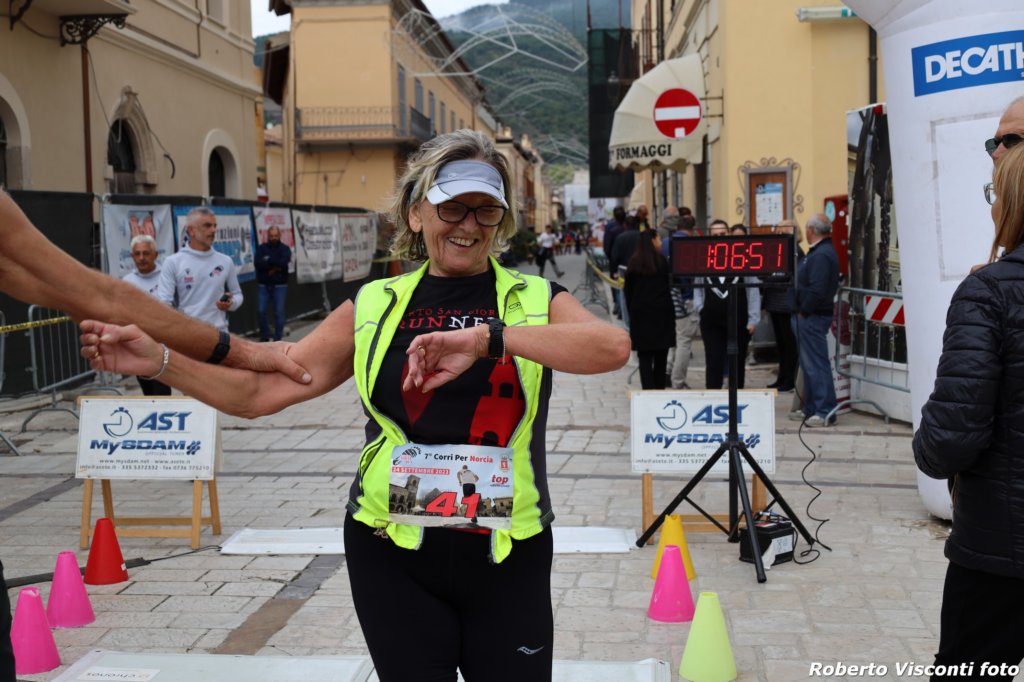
[3,364]
[591,284]
[871,328]
[53,346]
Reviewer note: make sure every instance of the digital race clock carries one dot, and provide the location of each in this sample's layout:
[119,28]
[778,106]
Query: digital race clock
[766,255]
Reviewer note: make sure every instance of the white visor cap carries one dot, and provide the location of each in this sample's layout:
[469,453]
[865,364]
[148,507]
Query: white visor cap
[465,177]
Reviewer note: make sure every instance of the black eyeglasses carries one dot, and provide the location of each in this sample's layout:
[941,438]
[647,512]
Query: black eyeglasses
[990,193]
[1008,141]
[456,212]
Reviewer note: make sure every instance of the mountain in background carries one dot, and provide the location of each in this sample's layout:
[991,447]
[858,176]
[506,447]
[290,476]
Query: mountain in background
[573,13]
[540,89]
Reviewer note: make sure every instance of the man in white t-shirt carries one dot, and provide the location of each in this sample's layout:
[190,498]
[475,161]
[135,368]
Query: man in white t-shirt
[204,281]
[146,277]
[546,251]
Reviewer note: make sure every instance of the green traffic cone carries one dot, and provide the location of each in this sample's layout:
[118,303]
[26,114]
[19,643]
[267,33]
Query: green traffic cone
[708,654]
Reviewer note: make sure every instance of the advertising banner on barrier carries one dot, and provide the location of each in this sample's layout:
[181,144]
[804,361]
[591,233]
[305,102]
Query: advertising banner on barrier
[234,235]
[358,241]
[265,218]
[318,255]
[143,438]
[122,222]
[679,431]
[951,68]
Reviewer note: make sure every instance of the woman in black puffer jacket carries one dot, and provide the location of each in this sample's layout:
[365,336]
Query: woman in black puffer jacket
[972,432]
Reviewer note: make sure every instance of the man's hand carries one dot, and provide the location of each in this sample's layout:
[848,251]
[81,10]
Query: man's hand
[224,303]
[123,350]
[437,358]
[266,357]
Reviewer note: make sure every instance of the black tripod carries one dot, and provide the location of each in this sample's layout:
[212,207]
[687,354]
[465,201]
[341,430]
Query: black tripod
[737,452]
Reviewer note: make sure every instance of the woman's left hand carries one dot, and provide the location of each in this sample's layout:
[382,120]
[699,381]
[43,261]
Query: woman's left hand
[438,357]
[124,350]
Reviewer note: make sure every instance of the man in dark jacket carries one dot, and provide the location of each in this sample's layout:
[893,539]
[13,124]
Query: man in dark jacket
[817,281]
[272,259]
[612,230]
[618,260]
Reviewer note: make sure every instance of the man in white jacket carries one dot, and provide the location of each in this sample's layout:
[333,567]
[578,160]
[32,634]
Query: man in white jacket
[204,280]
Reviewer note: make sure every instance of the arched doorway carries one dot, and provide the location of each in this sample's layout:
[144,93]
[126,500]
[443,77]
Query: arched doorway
[217,175]
[121,158]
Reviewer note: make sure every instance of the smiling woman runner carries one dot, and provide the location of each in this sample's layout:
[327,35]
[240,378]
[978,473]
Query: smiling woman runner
[453,364]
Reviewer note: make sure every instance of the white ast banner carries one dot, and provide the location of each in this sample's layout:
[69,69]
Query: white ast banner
[143,438]
[680,430]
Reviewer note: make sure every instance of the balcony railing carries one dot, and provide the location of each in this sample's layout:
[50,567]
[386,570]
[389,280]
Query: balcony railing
[356,124]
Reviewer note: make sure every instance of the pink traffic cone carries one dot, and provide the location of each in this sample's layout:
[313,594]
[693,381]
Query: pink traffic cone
[34,648]
[671,601]
[68,606]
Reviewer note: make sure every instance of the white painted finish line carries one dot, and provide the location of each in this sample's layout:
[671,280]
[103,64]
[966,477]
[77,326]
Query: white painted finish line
[222,668]
[567,540]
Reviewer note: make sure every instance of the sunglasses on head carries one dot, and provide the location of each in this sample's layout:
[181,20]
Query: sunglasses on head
[1008,140]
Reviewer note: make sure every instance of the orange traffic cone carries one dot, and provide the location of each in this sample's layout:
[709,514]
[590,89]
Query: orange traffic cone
[34,648]
[68,606]
[672,534]
[105,565]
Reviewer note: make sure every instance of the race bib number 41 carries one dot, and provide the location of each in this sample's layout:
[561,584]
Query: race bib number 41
[449,485]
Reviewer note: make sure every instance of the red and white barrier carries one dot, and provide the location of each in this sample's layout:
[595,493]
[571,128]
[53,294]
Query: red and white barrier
[884,309]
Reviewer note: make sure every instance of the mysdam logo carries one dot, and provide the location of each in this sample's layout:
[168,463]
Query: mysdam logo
[109,446]
[968,62]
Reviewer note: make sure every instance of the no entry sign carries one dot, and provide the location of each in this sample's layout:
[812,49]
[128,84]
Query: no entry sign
[677,113]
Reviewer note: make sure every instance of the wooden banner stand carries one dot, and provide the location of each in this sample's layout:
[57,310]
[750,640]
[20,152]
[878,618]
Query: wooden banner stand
[196,521]
[150,526]
[696,523]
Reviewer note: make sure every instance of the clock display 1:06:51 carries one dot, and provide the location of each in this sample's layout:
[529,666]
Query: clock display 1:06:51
[750,255]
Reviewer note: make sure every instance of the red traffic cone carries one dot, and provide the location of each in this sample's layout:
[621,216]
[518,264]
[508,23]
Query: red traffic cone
[105,565]
[34,648]
[68,606]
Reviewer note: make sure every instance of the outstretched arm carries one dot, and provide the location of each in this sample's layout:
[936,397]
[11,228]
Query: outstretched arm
[574,341]
[327,352]
[33,269]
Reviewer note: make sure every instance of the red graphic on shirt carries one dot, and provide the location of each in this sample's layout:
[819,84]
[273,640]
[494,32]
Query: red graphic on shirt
[415,401]
[498,412]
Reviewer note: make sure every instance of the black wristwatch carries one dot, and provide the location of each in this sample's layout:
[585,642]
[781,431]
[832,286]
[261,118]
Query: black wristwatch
[220,351]
[496,343]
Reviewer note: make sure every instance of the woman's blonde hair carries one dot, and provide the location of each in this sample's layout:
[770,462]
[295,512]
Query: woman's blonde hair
[1008,183]
[420,171]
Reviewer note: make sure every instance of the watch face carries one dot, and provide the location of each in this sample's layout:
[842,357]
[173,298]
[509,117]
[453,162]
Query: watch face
[764,255]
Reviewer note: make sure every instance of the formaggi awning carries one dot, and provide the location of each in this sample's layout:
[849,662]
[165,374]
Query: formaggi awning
[661,123]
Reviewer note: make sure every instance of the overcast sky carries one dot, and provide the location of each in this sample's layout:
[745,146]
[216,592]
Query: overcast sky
[264,21]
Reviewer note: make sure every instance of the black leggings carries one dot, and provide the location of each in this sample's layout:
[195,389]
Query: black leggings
[653,364]
[426,612]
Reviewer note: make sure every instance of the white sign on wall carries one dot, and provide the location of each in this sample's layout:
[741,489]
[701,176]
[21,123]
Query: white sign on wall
[142,438]
[358,241]
[318,253]
[679,430]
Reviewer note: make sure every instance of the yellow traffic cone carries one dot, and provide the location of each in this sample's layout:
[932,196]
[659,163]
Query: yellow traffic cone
[708,654]
[672,534]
